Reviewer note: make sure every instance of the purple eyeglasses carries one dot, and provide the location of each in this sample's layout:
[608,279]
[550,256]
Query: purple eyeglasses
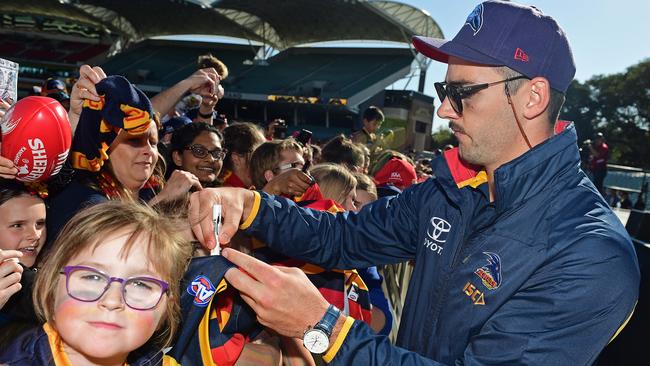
[88,284]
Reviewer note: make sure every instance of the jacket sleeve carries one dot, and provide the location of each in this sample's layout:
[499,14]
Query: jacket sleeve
[383,232]
[357,344]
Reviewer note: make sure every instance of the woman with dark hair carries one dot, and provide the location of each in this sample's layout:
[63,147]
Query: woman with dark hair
[196,148]
[240,140]
[341,150]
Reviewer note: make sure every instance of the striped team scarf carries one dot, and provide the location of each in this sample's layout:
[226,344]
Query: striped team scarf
[122,106]
[343,289]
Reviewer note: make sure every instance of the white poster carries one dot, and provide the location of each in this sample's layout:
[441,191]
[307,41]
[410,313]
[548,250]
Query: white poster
[8,81]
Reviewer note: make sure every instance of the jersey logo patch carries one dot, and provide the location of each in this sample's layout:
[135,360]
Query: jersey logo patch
[490,274]
[475,295]
[202,290]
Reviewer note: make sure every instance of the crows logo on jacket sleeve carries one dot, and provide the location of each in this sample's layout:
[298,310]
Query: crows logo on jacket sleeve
[216,323]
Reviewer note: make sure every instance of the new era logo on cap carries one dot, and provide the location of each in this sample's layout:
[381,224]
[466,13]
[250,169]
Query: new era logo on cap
[503,33]
[521,55]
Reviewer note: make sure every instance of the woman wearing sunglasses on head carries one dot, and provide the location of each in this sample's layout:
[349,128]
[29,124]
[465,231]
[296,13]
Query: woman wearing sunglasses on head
[114,150]
[197,149]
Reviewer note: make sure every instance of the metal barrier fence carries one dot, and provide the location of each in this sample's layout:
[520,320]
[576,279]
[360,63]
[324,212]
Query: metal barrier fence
[395,286]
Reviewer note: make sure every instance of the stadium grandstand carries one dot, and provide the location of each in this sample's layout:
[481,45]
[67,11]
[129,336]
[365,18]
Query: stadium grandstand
[278,65]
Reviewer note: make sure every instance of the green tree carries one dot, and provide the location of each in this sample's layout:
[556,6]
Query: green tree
[442,137]
[619,106]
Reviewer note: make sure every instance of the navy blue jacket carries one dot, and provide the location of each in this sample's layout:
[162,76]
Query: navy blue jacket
[33,348]
[544,275]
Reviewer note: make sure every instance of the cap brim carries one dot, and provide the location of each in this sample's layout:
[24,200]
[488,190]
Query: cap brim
[59,96]
[440,50]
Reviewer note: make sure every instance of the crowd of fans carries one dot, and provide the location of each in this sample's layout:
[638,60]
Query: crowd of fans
[115,260]
[119,208]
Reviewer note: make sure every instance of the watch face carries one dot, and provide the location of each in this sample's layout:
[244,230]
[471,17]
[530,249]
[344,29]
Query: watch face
[316,341]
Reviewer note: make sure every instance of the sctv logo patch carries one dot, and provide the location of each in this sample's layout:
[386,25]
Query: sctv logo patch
[202,290]
[437,234]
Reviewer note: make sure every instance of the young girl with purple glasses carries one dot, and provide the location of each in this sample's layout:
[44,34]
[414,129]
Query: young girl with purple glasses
[108,294]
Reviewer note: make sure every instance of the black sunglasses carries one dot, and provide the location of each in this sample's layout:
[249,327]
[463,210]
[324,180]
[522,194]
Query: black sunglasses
[200,152]
[457,93]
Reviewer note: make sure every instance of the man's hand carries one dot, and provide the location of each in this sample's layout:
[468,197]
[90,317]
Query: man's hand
[236,205]
[282,297]
[204,82]
[10,274]
[292,182]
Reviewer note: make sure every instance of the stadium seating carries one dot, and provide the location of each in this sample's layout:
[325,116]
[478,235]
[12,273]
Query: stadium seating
[309,72]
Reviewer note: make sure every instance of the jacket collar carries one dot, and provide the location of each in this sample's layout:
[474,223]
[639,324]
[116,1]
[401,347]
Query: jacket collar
[536,170]
[516,180]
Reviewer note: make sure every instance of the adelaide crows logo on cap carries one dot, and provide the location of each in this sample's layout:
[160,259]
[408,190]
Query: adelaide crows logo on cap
[490,274]
[475,19]
[202,290]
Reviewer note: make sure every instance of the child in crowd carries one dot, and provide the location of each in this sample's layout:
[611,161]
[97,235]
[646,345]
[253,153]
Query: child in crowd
[22,221]
[109,292]
[240,140]
[336,183]
[22,235]
[366,190]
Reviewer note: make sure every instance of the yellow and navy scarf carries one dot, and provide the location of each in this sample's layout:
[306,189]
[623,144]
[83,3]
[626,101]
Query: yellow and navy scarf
[122,106]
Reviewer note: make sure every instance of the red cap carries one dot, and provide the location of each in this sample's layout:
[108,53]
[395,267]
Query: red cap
[397,172]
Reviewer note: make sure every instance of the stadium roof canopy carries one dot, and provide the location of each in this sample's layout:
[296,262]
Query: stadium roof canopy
[280,24]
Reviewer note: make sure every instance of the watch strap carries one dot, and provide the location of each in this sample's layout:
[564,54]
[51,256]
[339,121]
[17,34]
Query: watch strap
[326,324]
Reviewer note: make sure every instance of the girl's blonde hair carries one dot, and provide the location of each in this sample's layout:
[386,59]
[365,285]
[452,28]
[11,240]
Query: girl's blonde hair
[364,183]
[168,252]
[335,182]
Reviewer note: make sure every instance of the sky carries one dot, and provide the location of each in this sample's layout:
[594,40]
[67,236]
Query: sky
[606,36]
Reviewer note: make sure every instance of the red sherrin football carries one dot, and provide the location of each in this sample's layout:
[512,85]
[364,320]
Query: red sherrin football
[36,136]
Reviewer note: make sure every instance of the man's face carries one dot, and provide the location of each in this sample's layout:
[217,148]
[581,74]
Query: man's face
[486,131]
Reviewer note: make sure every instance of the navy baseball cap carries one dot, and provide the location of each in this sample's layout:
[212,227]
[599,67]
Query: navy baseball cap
[55,88]
[503,33]
[174,124]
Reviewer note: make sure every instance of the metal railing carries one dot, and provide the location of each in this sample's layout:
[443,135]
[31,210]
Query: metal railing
[395,286]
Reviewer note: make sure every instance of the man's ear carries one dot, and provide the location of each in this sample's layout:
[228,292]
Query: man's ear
[538,97]
[268,175]
[176,158]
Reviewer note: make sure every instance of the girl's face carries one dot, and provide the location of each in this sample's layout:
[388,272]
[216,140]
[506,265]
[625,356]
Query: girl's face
[363,198]
[205,168]
[22,227]
[107,329]
[349,203]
